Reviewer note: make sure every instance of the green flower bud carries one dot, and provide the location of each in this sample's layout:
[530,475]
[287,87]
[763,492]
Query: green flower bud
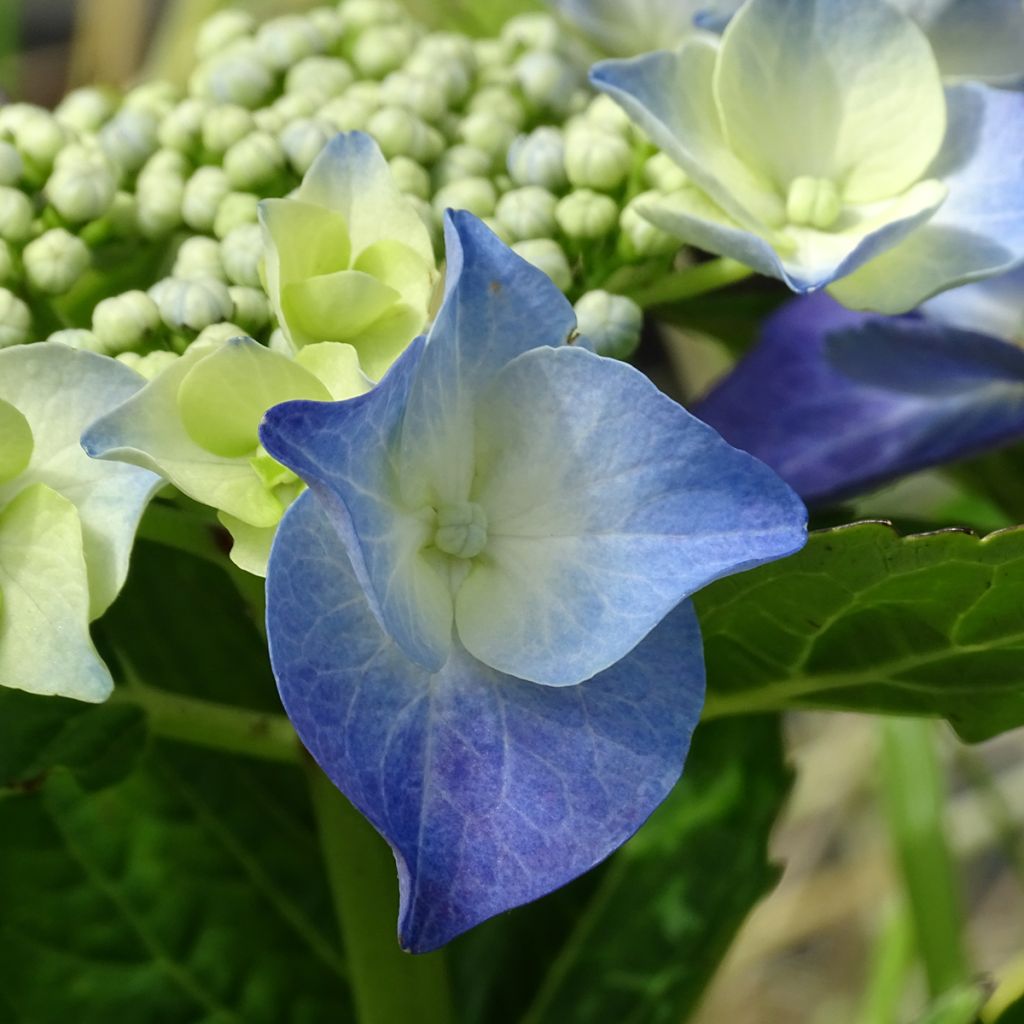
[217,334]
[347,113]
[290,107]
[454,77]
[240,253]
[460,162]
[8,268]
[11,168]
[547,255]
[15,320]
[236,208]
[220,29]
[251,308]
[235,77]
[357,15]
[162,163]
[500,103]
[253,161]
[16,215]
[325,76]
[532,32]
[125,321]
[538,159]
[596,159]
[86,109]
[302,141]
[158,204]
[383,48]
[487,133]
[194,303]
[152,364]
[401,133]
[157,98]
[410,177]
[202,196]
[548,81]
[527,212]
[129,138]
[447,47]
[603,112]
[612,323]
[81,193]
[423,96]
[13,115]
[39,139]
[182,128]
[284,41]
[327,23]
[493,53]
[123,215]
[586,214]
[78,337]
[639,236]
[477,195]
[662,173]
[225,125]
[55,261]
[200,257]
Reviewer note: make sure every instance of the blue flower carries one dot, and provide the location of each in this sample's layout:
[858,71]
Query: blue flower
[505,516]
[823,150]
[838,402]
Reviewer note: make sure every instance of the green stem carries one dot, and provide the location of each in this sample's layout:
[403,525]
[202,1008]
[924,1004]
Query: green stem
[388,985]
[891,959]
[691,282]
[914,792]
[216,726]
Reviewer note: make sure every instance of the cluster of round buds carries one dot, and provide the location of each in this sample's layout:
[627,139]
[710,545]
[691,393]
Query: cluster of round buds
[169,178]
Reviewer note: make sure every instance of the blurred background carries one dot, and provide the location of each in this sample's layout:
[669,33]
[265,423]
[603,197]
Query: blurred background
[823,946]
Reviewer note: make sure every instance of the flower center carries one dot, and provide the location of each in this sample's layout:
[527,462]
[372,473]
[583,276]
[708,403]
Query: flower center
[461,529]
[813,202]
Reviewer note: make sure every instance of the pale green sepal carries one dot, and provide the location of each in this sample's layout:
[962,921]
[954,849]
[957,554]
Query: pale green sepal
[336,366]
[336,307]
[45,646]
[16,442]
[250,549]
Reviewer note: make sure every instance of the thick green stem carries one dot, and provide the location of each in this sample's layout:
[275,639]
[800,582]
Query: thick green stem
[216,726]
[691,282]
[388,986]
[913,792]
[891,959]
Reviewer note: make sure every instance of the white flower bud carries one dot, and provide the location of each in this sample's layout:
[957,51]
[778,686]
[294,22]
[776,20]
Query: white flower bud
[86,109]
[490,53]
[81,193]
[240,253]
[302,142]
[538,159]
[225,125]
[548,81]
[218,333]
[597,159]
[612,323]
[547,255]
[11,167]
[487,133]
[162,163]
[156,97]
[454,77]
[234,77]
[423,96]
[477,195]
[199,256]
[202,196]
[152,364]
[129,138]
[347,113]
[284,41]
[182,128]
[641,238]
[383,48]
[39,139]
[251,308]
[532,32]
[661,172]
[327,22]
[324,76]
[7,264]
[500,103]
[16,215]
[220,29]
[253,161]
[291,107]
[461,162]
[13,115]
[447,47]
[194,303]
[527,212]
[55,261]
[158,204]
[410,177]
[356,15]
[586,214]
[603,112]
[79,338]
[236,208]
[15,320]
[124,321]
[400,132]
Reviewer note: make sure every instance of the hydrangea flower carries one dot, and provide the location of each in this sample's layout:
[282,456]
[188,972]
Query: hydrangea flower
[838,402]
[348,258]
[477,614]
[824,151]
[66,523]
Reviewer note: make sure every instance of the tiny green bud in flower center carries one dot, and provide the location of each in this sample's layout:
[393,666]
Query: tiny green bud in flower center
[814,202]
[461,529]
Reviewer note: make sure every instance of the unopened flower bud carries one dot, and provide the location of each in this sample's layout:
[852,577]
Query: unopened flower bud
[220,29]
[612,323]
[357,15]
[383,48]
[39,139]
[410,176]
[152,364]
[194,303]
[538,159]
[81,193]
[586,214]
[500,103]
[347,113]
[14,115]
[597,159]
[15,320]
[302,142]
[286,40]
[240,254]
[327,22]
[661,172]
[129,138]
[325,76]
[11,167]
[236,208]
[158,204]
[199,256]
[477,195]
[423,96]
[547,255]
[640,237]
[459,162]
[532,31]
[86,109]
[156,97]
[182,128]
[548,81]
[203,194]
[814,202]
[162,163]
[235,77]
[79,338]
[445,47]
[55,261]
[291,107]
[251,308]
[400,132]
[527,212]
[487,133]
[124,321]
[16,215]
[218,333]
[253,161]
[454,77]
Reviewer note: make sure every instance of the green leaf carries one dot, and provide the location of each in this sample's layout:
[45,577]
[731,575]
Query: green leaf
[638,940]
[864,620]
[959,1006]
